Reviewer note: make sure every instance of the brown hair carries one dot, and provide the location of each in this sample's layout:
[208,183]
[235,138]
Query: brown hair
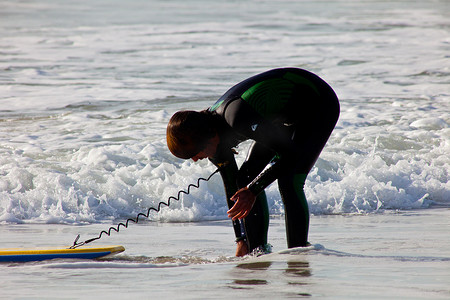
[188,132]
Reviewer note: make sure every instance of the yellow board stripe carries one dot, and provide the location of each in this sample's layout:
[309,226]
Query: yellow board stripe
[23,251]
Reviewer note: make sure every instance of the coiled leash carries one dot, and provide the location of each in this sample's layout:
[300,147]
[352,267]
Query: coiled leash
[116,228]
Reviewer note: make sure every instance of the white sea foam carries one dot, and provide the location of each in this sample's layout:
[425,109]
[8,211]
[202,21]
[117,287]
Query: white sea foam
[85,98]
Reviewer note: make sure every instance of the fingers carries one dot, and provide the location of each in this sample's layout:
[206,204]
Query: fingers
[239,194]
[240,210]
[235,197]
[241,215]
[238,215]
[244,200]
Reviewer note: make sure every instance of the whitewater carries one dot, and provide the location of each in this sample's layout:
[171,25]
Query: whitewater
[87,90]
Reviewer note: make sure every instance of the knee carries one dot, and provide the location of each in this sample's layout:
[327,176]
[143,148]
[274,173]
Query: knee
[294,181]
[292,189]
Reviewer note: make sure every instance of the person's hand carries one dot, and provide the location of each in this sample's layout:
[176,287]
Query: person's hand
[241,248]
[244,200]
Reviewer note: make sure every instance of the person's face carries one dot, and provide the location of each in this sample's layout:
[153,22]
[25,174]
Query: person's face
[209,151]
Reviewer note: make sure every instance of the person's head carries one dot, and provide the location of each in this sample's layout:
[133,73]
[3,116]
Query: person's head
[191,132]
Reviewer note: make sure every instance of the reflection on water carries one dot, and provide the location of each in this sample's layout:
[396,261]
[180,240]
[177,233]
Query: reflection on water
[250,282]
[262,265]
[290,276]
[254,266]
[298,269]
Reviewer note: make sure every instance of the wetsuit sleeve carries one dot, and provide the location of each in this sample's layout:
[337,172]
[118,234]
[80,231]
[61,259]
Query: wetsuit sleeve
[228,169]
[247,122]
[266,178]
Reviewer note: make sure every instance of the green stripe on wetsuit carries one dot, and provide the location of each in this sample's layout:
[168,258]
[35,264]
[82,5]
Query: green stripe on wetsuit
[270,96]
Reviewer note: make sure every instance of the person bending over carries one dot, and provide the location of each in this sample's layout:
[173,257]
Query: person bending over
[289,113]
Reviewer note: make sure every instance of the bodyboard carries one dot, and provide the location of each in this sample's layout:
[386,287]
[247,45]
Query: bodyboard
[39,254]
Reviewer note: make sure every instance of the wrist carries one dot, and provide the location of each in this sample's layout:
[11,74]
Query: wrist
[255,188]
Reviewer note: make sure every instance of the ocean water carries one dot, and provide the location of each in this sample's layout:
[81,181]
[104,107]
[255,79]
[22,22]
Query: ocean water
[87,88]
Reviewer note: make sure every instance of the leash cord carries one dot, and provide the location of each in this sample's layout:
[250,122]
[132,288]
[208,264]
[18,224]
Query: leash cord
[116,228]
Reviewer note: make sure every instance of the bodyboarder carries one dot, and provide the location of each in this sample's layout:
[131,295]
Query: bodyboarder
[289,113]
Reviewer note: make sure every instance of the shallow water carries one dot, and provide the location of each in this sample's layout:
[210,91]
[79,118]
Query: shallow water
[87,90]
[379,256]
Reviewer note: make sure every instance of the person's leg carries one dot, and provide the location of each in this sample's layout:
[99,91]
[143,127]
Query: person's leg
[295,209]
[256,224]
[310,136]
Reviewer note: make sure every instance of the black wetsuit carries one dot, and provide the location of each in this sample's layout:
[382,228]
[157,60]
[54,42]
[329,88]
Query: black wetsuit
[290,114]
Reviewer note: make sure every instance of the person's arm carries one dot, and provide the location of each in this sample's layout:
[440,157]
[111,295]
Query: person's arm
[228,169]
